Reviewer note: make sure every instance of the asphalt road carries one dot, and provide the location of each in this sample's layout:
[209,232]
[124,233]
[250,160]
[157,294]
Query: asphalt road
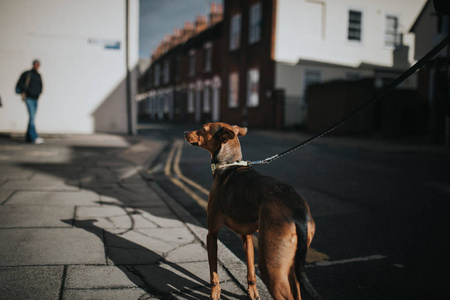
[382,215]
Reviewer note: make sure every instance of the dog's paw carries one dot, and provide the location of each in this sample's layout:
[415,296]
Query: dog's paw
[215,293]
[253,293]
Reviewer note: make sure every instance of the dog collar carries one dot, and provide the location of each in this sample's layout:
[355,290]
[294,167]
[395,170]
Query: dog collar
[214,167]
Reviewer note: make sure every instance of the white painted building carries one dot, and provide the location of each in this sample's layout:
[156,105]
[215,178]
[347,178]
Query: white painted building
[86,49]
[323,40]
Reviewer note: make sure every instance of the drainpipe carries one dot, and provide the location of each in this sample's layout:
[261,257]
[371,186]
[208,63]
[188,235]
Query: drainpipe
[130,117]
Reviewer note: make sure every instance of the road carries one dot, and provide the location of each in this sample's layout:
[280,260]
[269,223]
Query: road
[382,213]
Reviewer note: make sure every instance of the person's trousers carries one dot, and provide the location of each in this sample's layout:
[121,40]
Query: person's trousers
[31,135]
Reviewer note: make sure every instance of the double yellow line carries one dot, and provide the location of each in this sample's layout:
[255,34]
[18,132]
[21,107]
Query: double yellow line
[173,172]
[177,178]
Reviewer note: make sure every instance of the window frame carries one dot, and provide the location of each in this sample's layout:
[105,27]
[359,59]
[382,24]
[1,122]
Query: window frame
[354,27]
[207,48]
[235,31]
[157,77]
[255,23]
[250,87]
[233,90]
[395,33]
[192,62]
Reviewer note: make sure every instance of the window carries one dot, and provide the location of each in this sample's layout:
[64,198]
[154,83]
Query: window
[206,99]
[157,75]
[192,63]
[353,76]
[178,68]
[253,88]
[208,55]
[190,104]
[233,90]
[354,25]
[311,77]
[235,32]
[166,71]
[254,34]
[391,35]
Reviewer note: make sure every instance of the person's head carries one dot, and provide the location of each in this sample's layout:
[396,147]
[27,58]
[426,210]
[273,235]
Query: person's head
[36,64]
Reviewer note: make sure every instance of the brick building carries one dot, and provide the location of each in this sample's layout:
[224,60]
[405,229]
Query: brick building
[251,62]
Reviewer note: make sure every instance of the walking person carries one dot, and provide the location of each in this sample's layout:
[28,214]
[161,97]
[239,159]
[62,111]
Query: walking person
[30,87]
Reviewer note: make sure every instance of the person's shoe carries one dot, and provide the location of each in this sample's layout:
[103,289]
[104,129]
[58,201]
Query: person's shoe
[38,141]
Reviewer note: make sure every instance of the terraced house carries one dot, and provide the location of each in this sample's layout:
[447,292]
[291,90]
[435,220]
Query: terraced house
[251,62]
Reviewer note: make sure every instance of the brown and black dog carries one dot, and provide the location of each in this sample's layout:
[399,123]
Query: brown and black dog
[246,202]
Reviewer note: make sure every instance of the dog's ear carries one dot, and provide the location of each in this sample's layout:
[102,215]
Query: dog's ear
[240,131]
[225,134]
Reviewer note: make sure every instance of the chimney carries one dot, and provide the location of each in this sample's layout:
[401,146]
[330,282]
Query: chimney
[176,37]
[216,14]
[200,24]
[188,30]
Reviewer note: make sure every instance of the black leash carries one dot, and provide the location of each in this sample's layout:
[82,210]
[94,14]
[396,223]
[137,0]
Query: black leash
[377,97]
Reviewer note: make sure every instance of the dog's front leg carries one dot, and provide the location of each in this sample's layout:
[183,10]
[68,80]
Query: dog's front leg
[247,240]
[211,245]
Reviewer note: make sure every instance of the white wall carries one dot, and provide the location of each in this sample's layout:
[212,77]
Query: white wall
[84,83]
[317,30]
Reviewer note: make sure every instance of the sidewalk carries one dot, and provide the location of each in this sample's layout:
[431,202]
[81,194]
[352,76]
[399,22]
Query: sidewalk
[80,219]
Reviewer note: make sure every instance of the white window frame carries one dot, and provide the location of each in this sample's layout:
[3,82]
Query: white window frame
[255,24]
[233,90]
[208,56]
[235,31]
[253,87]
[349,25]
[395,32]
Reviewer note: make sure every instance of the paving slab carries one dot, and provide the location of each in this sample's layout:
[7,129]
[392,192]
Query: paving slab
[13,172]
[101,277]
[42,282]
[171,278]
[5,194]
[51,246]
[110,294]
[188,253]
[229,291]
[159,240]
[47,185]
[48,198]
[28,216]
[110,217]
[132,198]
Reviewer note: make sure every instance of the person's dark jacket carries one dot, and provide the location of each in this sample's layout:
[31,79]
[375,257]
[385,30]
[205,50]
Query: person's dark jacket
[35,85]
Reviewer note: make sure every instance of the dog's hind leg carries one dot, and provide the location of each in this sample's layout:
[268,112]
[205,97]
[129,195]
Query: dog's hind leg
[247,240]
[276,250]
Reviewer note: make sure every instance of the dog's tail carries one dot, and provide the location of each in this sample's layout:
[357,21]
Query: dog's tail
[300,257]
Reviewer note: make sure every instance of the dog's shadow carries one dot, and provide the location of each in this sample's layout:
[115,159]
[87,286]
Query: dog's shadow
[159,277]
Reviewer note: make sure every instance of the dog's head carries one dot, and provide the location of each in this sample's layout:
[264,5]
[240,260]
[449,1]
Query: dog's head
[213,136]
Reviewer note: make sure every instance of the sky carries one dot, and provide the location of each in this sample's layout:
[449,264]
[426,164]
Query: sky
[160,17]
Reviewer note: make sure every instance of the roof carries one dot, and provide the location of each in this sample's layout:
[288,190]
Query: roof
[421,14]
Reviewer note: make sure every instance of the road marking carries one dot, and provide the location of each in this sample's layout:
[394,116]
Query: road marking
[173,161]
[176,169]
[350,260]
[200,201]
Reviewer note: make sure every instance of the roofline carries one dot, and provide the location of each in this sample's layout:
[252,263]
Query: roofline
[422,12]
